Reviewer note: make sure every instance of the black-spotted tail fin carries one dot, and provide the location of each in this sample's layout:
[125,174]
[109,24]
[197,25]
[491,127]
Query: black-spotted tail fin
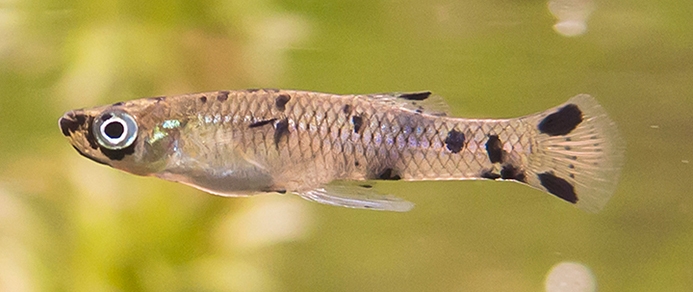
[578,153]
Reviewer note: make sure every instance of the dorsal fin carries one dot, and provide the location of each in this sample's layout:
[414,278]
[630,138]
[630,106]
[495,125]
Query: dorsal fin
[420,102]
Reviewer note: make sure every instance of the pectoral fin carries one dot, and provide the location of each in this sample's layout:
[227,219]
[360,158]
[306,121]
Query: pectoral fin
[353,195]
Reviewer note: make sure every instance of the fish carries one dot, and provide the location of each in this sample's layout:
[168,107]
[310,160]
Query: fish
[333,149]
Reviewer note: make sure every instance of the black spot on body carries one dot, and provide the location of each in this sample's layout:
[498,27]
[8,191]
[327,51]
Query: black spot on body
[67,126]
[81,119]
[494,149]
[358,123]
[281,129]
[71,123]
[558,186]
[346,109]
[416,95]
[120,153]
[117,103]
[270,190]
[89,135]
[203,99]
[356,163]
[222,95]
[389,174]
[511,172]
[454,141]
[562,122]
[106,117]
[281,101]
[261,123]
[490,175]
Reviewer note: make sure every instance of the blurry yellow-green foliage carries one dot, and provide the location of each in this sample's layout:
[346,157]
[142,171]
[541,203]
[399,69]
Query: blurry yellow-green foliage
[68,224]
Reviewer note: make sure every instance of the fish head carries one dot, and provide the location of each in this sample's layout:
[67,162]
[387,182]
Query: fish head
[118,135]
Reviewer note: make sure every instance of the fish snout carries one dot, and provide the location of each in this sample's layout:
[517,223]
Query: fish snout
[70,122]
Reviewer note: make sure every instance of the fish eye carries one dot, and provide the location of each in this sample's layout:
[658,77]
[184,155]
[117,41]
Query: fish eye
[115,130]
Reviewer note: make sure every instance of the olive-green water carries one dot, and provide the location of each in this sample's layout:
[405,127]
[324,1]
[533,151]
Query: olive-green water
[68,224]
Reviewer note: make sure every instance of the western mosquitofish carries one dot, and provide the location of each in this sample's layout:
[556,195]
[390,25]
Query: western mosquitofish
[331,148]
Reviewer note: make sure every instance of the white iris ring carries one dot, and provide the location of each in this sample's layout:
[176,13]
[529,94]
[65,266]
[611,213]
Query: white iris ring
[114,140]
[125,139]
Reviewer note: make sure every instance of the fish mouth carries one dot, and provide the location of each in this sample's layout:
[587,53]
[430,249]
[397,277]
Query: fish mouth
[74,122]
[70,122]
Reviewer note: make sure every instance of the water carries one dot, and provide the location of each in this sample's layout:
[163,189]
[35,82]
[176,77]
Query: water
[67,223]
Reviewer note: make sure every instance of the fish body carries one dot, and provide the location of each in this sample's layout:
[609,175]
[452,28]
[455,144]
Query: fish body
[331,148]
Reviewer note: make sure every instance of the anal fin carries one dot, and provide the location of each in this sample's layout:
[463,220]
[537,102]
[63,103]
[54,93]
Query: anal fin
[354,195]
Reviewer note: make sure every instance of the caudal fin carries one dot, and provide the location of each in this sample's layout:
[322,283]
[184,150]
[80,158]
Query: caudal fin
[578,154]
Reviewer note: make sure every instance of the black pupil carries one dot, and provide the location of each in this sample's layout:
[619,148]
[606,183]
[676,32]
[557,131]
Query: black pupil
[114,130]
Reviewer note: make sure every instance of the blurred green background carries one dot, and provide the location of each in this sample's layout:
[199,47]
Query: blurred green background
[68,224]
